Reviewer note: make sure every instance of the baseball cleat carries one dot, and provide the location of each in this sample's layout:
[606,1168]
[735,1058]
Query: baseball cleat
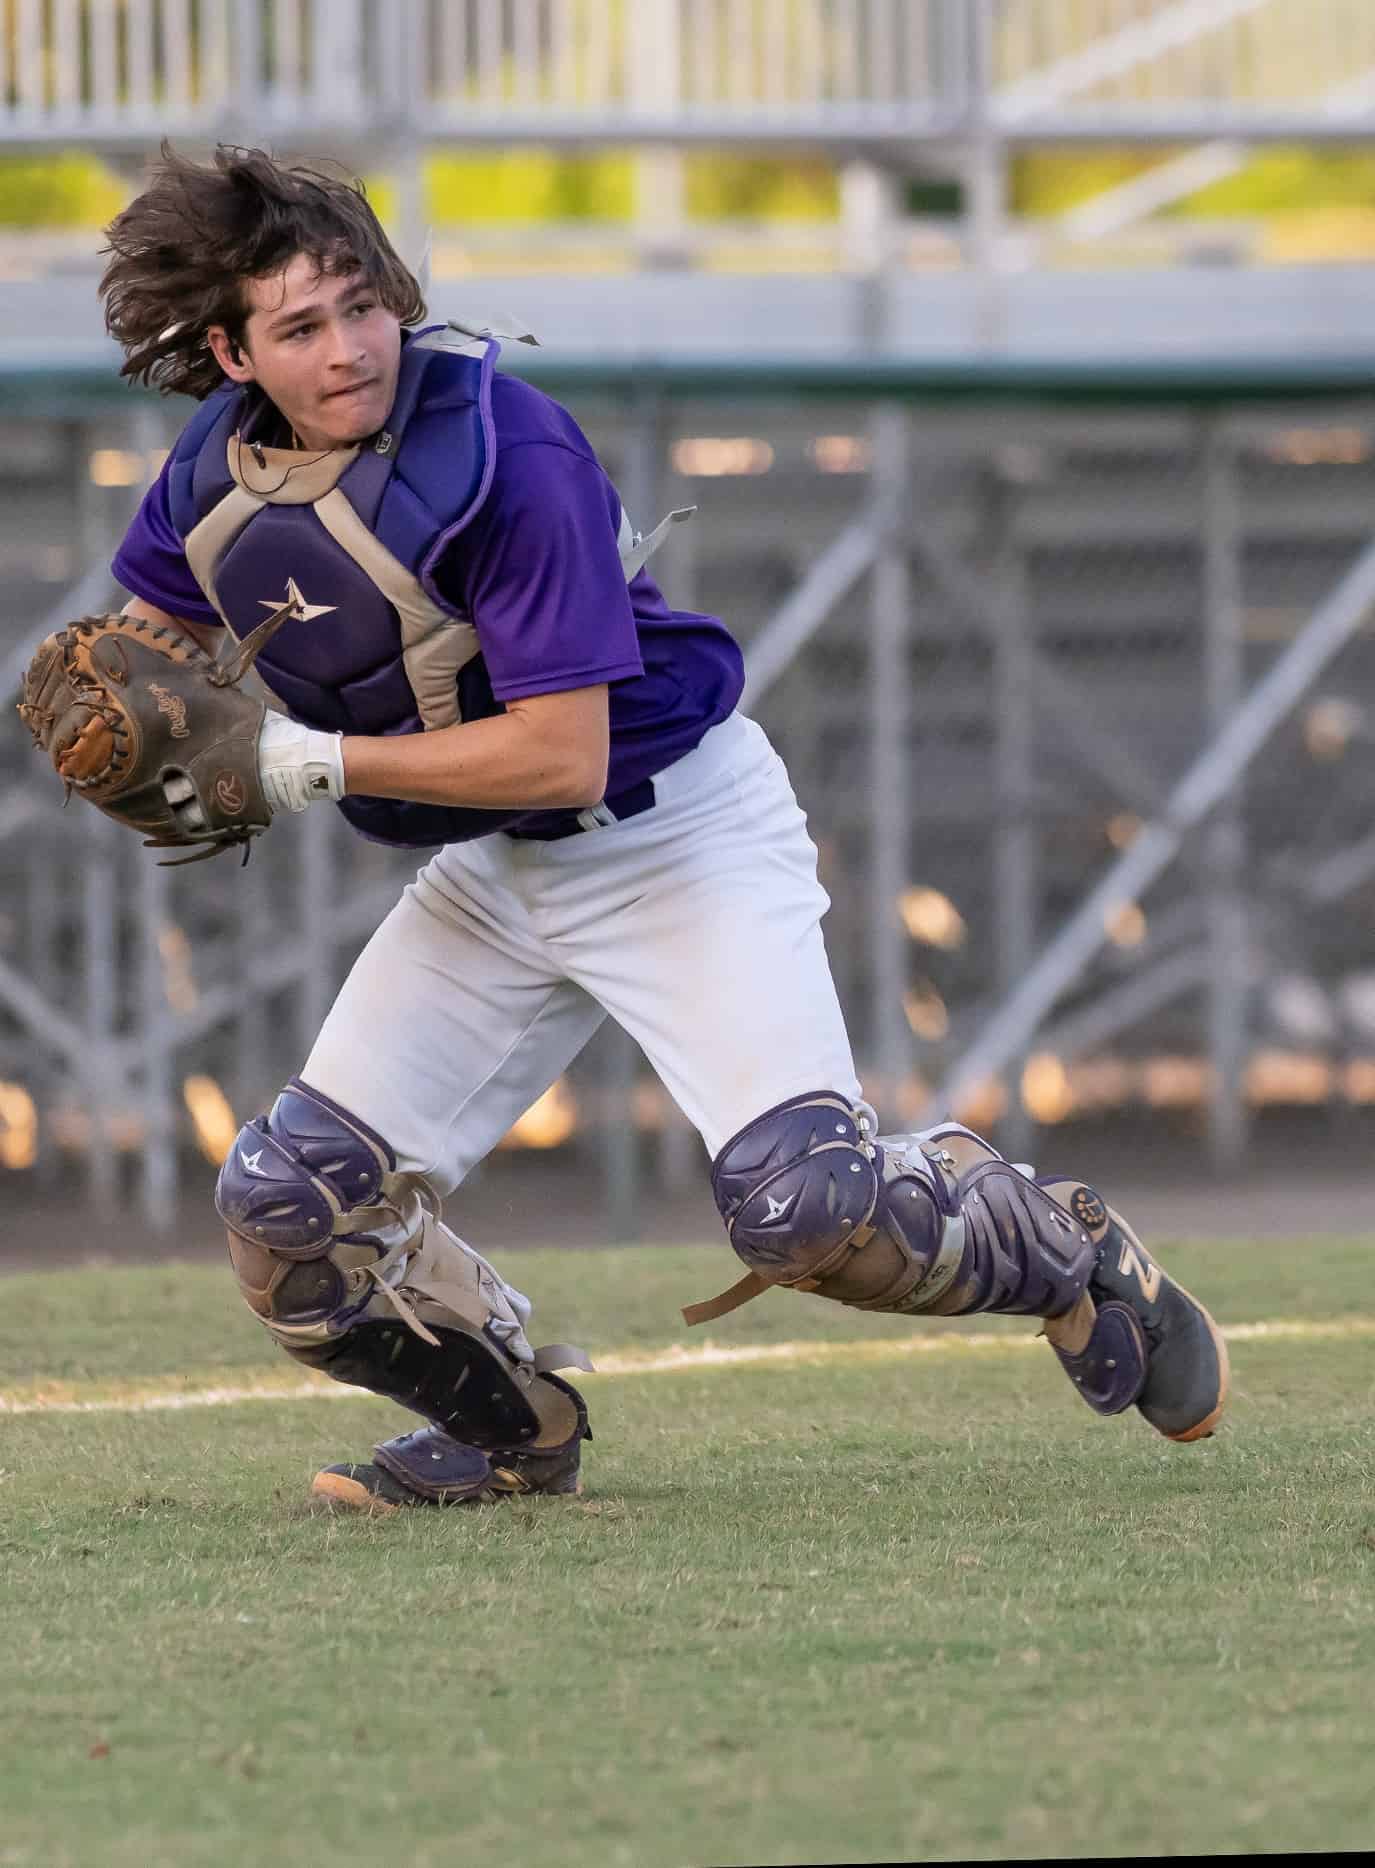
[430,1467]
[369,1489]
[1187,1375]
[1136,1336]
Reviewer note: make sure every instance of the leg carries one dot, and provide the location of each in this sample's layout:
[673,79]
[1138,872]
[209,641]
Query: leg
[720,972]
[939,1224]
[440,1038]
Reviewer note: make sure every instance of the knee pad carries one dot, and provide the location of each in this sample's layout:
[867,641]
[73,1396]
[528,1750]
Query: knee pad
[291,1191]
[348,1264]
[935,1222]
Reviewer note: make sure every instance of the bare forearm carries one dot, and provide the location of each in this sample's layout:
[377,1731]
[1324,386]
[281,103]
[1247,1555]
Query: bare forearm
[500,763]
[202,634]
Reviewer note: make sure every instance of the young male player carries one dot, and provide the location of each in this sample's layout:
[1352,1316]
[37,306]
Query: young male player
[477,663]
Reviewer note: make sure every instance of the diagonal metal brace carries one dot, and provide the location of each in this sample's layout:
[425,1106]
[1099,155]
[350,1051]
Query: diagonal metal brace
[1213,772]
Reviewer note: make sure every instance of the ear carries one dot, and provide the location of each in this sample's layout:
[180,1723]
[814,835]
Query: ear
[231,357]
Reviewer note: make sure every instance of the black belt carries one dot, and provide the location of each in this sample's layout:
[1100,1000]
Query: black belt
[614,810]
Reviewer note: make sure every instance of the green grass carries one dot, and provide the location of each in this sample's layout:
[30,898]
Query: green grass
[872,1610]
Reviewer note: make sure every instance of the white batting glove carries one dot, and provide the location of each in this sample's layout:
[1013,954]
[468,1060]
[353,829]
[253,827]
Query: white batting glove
[298,765]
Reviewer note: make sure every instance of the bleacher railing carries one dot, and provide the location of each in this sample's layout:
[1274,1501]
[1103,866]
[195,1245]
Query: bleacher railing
[847,72]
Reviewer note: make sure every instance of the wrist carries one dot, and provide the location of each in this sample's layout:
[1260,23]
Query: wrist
[298,765]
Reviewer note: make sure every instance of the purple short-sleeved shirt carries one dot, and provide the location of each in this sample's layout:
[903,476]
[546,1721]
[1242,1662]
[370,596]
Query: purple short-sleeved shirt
[539,572]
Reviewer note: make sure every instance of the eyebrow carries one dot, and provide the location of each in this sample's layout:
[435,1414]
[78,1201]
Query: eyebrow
[285,319]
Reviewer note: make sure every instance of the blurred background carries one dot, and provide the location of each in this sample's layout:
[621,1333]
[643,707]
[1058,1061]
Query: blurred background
[1020,357]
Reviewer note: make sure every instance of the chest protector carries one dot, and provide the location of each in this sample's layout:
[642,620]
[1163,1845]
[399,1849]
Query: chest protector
[355,534]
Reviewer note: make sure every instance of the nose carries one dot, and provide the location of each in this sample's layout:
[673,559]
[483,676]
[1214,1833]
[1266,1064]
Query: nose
[345,346]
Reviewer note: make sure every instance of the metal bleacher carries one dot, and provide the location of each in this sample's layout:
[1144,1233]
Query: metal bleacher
[1012,549]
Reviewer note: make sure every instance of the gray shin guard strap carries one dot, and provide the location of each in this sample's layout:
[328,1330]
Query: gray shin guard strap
[552,1356]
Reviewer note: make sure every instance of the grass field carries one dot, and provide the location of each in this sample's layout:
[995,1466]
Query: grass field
[862,1593]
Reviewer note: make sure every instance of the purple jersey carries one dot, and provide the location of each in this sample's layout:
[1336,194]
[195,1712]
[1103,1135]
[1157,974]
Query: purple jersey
[538,571]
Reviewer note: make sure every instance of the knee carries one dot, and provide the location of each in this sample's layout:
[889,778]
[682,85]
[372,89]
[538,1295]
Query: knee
[811,1203]
[293,1172]
[289,1193]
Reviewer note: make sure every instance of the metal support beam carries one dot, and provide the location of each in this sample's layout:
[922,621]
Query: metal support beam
[831,579]
[890,809]
[1163,30]
[1095,745]
[1129,1002]
[985,181]
[1015,887]
[159,1165]
[622,1168]
[100,897]
[1225,839]
[1207,780]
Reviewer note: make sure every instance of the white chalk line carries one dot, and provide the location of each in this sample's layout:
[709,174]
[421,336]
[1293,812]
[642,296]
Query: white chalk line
[679,1359]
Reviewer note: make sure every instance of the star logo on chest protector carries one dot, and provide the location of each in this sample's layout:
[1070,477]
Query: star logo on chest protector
[300,609]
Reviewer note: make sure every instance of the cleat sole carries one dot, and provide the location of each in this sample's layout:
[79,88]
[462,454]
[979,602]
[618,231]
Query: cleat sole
[340,1492]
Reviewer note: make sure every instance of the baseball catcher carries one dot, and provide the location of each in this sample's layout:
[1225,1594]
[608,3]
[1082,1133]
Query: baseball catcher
[470,658]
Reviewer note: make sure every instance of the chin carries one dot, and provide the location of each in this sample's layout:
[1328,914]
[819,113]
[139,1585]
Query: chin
[346,429]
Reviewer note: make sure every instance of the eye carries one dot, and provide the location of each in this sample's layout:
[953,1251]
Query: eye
[362,308]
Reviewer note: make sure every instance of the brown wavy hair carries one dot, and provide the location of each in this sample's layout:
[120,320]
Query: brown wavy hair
[181,252]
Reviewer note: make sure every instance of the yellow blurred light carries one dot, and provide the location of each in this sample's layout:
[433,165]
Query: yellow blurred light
[650,1107]
[1288,1077]
[714,457]
[1124,924]
[911,1097]
[982,1104]
[1046,1093]
[1100,1083]
[1319,447]
[1123,829]
[178,982]
[926,1012]
[71,1127]
[1358,1080]
[1327,728]
[18,1127]
[116,467]
[931,917]
[211,1116]
[841,453]
[1175,1082]
[547,1123]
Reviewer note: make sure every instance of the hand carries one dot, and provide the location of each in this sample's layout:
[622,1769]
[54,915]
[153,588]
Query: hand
[298,765]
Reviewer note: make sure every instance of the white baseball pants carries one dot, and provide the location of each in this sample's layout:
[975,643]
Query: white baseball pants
[696,926]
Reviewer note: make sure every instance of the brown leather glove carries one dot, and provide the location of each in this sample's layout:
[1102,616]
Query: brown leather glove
[137,718]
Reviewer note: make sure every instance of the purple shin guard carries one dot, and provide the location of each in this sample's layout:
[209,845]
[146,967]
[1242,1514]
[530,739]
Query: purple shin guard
[1110,1369]
[794,1186]
[936,1222]
[293,1170]
[1024,1255]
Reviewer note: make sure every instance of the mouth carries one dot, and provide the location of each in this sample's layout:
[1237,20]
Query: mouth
[352,389]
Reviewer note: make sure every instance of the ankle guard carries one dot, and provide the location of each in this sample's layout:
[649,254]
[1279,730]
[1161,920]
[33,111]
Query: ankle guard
[347,1263]
[933,1223]
[442,1470]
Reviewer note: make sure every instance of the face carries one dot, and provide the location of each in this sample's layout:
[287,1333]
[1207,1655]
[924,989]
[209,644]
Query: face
[322,347]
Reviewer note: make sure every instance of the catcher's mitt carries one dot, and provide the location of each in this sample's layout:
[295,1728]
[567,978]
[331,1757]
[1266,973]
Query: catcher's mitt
[137,718]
